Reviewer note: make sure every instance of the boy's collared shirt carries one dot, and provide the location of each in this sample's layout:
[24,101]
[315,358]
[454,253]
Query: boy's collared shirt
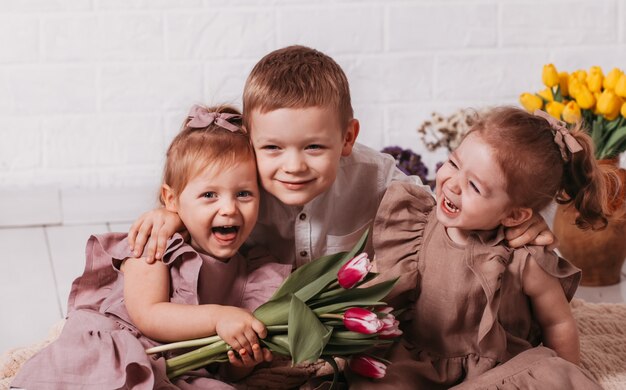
[334,220]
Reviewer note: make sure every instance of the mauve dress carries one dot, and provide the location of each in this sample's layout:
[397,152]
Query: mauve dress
[469,323]
[100,348]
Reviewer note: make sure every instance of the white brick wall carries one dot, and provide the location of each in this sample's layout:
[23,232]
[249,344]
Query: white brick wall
[92,91]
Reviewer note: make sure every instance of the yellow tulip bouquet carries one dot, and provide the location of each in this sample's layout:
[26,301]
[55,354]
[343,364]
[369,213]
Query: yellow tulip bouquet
[590,96]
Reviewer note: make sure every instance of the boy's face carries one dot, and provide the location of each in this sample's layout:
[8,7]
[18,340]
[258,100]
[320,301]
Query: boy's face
[298,150]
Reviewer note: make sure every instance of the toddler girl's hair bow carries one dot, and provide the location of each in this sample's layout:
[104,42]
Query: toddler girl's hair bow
[562,137]
[200,118]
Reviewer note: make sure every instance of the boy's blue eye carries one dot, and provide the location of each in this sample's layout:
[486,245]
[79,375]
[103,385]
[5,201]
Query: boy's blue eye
[315,146]
[270,147]
[244,194]
[475,188]
[209,195]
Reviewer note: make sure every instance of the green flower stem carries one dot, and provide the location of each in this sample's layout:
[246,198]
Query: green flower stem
[176,370]
[273,329]
[200,353]
[183,344]
[333,316]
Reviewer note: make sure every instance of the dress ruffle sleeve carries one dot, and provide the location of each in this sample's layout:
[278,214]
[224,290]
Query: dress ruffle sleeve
[567,274]
[398,234]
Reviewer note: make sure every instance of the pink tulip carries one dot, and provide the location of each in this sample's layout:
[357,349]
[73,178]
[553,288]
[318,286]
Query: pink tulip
[354,271]
[362,321]
[368,366]
[390,328]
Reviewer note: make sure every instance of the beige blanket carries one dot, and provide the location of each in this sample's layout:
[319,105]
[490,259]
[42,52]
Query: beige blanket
[602,330]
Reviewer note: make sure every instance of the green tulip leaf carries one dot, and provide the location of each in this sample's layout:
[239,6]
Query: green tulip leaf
[364,342]
[314,287]
[348,334]
[372,293]
[342,306]
[311,278]
[307,335]
[275,311]
[615,140]
[340,290]
[277,345]
[557,95]
[345,350]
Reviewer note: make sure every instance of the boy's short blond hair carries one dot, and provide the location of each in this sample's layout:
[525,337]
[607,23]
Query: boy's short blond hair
[297,77]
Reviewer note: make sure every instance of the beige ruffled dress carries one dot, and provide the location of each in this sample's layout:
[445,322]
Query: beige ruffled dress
[469,324]
[100,348]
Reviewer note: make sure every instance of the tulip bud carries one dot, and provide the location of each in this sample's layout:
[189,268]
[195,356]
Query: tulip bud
[367,366]
[362,321]
[530,102]
[585,98]
[581,75]
[550,76]
[563,83]
[594,81]
[611,79]
[390,328]
[546,94]
[354,271]
[620,87]
[555,109]
[573,85]
[609,105]
[571,112]
[623,110]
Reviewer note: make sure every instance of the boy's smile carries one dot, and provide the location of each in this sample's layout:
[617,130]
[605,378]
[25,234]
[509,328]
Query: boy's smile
[298,151]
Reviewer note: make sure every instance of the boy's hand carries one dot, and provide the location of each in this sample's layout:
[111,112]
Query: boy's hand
[259,355]
[239,329]
[535,231]
[153,228]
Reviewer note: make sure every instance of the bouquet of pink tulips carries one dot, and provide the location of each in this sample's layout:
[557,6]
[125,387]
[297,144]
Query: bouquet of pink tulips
[316,313]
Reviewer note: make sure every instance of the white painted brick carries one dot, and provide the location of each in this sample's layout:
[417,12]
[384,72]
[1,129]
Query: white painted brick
[70,38]
[220,33]
[173,124]
[572,58]
[559,23]
[31,206]
[390,78]
[112,140]
[44,5]
[20,144]
[107,205]
[225,81]
[371,119]
[47,89]
[491,75]
[130,36]
[334,28]
[147,4]
[19,38]
[437,26]
[136,88]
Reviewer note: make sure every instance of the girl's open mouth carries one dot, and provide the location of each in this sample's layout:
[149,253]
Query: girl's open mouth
[449,207]
[225,233]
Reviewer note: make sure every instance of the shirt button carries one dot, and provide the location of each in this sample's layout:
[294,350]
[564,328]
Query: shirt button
[302,217]
[303,253]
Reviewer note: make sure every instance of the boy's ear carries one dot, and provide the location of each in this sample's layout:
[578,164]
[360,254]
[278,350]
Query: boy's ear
[517,216]
[169,198]
[349,138]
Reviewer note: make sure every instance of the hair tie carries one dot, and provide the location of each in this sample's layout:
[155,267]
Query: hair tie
[200,118]
[562,136]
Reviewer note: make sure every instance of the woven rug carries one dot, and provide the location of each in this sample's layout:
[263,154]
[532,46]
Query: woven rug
[602,328]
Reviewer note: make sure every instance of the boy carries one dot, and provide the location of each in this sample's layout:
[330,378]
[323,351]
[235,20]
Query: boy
[321,189]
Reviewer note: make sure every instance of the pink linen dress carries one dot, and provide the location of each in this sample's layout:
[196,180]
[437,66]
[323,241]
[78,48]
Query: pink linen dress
[469,323]
[100,348]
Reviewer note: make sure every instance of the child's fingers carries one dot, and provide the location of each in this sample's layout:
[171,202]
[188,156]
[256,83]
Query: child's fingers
[246,358]
[141,239]
[267,355]
[162,238]
[232,359]
[259,328]
[257,353]
[132,234]
[251,339]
